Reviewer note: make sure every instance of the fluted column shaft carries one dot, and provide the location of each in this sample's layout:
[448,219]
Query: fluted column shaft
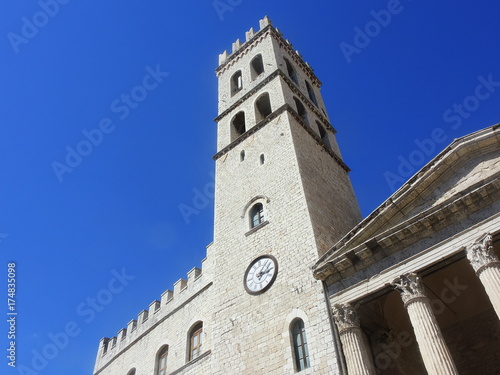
[487,267]
[435,354]
[357,359]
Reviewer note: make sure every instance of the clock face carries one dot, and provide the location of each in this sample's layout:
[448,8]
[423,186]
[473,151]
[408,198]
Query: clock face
[260,274]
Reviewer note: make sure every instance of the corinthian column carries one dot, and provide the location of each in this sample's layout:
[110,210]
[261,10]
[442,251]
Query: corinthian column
[435,354]
[487,267]
[357,359]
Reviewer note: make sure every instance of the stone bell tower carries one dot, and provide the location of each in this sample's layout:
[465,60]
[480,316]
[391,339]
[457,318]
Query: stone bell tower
[283,198]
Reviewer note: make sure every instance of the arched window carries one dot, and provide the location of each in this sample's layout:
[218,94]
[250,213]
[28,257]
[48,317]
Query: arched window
[262,159]
[237,125]
[291,71]
[312,96]
[301,110]
[236,82]
[299,341]
[323,134]
[242,155]
[256,66]
[195,341]
[161,361]
[256,215]
[262,107]
[131,372]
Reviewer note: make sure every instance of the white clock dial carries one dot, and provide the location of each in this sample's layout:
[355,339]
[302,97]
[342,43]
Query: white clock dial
[260,274]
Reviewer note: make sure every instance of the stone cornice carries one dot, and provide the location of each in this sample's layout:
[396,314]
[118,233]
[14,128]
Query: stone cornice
[348,260]
[268,120]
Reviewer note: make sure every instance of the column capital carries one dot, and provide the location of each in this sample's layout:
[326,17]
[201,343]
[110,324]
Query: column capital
[481,255]
[345,316]
[410,286]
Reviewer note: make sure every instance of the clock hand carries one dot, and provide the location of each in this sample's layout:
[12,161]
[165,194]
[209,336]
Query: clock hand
[262,273]
[264,270]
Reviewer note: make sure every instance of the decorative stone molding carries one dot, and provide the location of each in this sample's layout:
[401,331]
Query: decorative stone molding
[410,286]
[345,316]
[481,255]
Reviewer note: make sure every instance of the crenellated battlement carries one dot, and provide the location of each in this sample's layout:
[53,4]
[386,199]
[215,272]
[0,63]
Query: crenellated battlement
[226,59]
[184,290]
[249,35]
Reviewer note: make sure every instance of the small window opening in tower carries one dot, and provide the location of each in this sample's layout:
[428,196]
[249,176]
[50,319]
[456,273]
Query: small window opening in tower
[257,66]
[242,155]
[236,82]
[262,107]
[312,96]
[324,135]
[256,215]
[301,110]
[291,71]
[238,125]
[262,159]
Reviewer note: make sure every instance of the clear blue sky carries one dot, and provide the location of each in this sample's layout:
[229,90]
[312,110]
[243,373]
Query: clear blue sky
[431,70]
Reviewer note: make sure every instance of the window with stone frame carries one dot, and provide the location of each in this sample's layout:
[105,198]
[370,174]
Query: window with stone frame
[291,71]
[195,341]
[238,126]
[300,349]
[256,66]
[301,110]
[312,95]
[323,135]
[236,82]
[161,361]
[262,107]
[256,215]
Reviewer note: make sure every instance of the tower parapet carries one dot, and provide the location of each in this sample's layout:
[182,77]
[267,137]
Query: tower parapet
[252,38]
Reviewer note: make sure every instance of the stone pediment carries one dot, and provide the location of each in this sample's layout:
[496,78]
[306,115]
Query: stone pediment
[460,180]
